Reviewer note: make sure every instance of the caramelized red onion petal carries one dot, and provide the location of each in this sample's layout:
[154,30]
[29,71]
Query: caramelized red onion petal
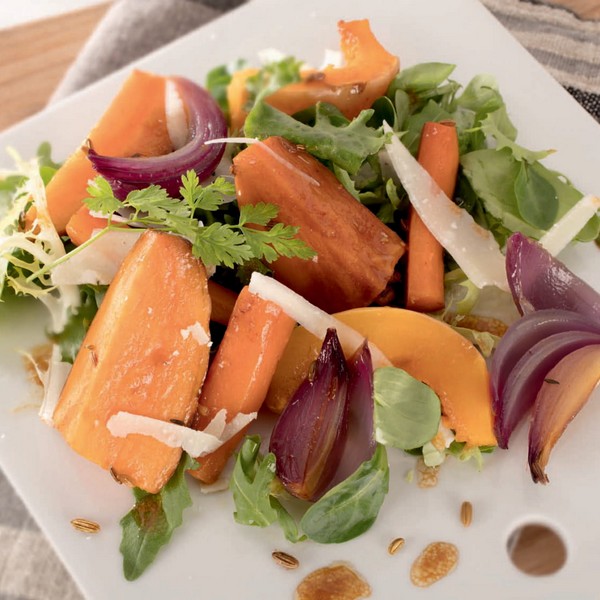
[360,442]
[528,331]
[529,375]
[205,122]
[558,403]
[538,280]
[309,436]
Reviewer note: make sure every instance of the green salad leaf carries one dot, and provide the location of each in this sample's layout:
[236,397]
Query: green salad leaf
[253,485]
[407,412]
[151,522]
[351,507]
[334,138]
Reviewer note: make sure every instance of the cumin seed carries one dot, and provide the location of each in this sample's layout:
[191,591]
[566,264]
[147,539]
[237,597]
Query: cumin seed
[395,545]
[287,561]
[552,381]
[466,513]
[85,525]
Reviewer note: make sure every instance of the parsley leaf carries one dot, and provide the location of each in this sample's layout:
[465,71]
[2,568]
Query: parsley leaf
[149,525]
[218,243]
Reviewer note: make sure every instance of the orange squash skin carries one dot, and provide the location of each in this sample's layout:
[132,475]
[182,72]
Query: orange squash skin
[357,253]
[135,358]
[426,348]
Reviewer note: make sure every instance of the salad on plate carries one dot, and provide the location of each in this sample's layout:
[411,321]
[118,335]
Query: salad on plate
[363,250]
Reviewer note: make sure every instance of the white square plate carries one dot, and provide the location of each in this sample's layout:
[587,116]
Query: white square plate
[213,557]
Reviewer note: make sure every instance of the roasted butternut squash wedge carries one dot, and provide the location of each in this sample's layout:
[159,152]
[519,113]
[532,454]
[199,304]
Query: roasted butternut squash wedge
[426,348]
[134,124]
[143,354]
[356,252]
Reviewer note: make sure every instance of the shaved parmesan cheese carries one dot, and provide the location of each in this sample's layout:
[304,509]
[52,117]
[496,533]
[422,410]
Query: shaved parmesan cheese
[563,231]
[472,247]
[177,125]
[332,58]
[198,334]
[313,319]
[195,443]
[53,381]
[266,56]
[97,263]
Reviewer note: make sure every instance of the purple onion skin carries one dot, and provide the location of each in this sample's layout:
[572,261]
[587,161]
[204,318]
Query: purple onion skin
[537,281]
[528,331]
[309,436]
[205,121]
[360,441]
[528,375]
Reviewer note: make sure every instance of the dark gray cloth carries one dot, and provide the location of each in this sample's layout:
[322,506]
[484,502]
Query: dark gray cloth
[565,45]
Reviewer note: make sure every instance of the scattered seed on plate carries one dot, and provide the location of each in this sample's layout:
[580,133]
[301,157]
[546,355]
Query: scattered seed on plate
[395,545]
[339,581]
[285,560]
[466,513]
[434,563]
[85,525]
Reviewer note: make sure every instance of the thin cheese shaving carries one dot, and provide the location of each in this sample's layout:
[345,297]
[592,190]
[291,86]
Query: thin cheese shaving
[312,318]
[195,443]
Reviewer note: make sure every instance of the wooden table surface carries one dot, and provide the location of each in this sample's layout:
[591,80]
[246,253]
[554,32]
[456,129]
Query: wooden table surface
[27,80]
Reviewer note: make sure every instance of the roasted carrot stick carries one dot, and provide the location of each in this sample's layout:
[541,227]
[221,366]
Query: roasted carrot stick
[438,154]
[237,96]
[222,302]
[241,371]
[81,225]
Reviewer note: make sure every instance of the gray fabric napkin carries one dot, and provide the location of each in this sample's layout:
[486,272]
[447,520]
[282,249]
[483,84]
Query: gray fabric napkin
[565,45]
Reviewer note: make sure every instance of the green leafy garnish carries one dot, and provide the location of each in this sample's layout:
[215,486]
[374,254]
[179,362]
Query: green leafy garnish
[537,200]
[334,138]
[271,77]
[254,485]
[218,243]
[151,522]
[407,412]
[351,507]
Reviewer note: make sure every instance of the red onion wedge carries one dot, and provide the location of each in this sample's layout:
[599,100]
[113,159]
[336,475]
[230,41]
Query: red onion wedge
[566,390]
[360,439]
[538,280]
[525,333]
[529,375]
[205,122]
[309,436]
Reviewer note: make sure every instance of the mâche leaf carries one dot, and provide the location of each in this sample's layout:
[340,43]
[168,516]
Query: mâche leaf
[407,412]
[536,198]
[151,522]
[351,507]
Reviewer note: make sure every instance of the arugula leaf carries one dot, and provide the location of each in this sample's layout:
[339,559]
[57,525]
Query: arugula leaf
[253,483]
[351,507]
[537,200]
[344,143]
[70,338]
[151,522]
[47,166]
[407,412]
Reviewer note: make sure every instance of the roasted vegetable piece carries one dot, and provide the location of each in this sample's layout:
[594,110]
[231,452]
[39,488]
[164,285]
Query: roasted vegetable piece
[426,348]
[145,353]
[368,71]
[239,375]
[565,391]
[134,124]
[356,252]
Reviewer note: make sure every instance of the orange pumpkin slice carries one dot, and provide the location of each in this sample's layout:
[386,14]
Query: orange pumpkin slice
[427,349]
